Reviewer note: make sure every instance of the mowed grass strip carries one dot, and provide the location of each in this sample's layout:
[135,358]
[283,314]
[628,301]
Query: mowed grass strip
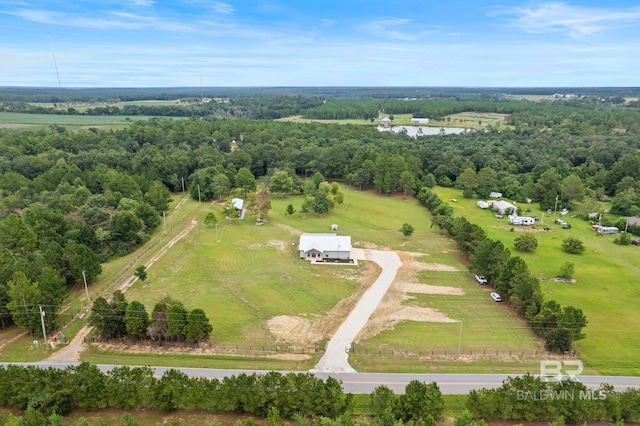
[607,281]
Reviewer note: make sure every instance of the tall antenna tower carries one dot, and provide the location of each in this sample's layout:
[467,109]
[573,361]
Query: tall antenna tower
[54,60]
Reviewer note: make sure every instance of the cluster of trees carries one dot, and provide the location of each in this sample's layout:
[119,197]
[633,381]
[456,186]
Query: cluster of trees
[510,275]
[169,320]
[84,386]
[421,404]
[533,399]
[320,196]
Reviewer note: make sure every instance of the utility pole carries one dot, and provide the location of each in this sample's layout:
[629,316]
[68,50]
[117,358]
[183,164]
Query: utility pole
[86,289]
[182,184]
[44,331]
[556,206]
[164,223]
[199,200]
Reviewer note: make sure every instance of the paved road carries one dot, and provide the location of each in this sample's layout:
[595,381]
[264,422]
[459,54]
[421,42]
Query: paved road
[336,356]
[365,383]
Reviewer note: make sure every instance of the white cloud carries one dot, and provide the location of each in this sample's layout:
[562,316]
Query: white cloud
[144,2]
[390,27]
[224,8]
[576,21]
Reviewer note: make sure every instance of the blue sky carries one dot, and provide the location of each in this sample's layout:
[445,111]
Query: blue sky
[154,43]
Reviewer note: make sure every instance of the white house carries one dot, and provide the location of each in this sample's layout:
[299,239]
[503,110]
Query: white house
[521,220]
[324,246]
[503,207]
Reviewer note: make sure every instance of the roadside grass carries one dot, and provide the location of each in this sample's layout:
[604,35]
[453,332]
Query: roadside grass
[99,356]
[606,288]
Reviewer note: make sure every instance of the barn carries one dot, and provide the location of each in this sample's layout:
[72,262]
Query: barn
[324,246]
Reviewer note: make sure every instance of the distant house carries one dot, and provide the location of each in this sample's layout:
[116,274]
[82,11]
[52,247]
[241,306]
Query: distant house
[385,122]
[633,221]
[503,207]
[324,246]
[494,194]
[521,220]
[419,120]
[482,204]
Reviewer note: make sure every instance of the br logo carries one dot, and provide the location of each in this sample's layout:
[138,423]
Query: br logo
[559,371]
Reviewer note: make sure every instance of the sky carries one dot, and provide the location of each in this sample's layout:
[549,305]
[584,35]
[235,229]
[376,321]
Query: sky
[202,43]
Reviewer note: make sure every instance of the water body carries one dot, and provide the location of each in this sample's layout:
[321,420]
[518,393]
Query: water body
[415,131]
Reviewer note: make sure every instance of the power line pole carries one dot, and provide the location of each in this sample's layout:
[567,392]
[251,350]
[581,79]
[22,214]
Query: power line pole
[164,223]
[199,200]
[44,331]
[86,289]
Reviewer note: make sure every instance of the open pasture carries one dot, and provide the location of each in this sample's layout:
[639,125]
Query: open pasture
[606,275]
[18,120]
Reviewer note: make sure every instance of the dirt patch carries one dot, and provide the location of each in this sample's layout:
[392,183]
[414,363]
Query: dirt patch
[559,280]
[431,289]
[291,230]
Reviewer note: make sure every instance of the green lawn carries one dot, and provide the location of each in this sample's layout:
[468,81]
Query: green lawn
[607,282]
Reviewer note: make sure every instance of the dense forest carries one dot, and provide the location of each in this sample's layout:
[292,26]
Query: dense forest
[71,200]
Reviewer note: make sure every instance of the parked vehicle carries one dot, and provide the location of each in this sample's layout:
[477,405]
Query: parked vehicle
[481,279]
[496,297]
[566,226]
[635,242]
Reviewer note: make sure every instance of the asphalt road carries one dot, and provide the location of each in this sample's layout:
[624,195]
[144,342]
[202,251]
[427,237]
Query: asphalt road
[365,383]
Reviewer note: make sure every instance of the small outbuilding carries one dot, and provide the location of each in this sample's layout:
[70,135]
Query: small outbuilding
[324,246]
[482,204]
[495,194]
[503,207]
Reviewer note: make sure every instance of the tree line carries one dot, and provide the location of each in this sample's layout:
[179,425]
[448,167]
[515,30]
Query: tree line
[169,320]
[84,386]
[559,326]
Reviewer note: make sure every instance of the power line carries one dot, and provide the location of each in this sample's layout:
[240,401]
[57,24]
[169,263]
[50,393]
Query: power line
[54,61]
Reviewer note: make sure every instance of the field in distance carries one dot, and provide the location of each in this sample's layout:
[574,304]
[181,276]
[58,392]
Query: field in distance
[18,120]
[606,275]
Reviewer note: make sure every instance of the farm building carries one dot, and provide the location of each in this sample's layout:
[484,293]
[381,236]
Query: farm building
[324,246]
[521,220]
[495,194]
[420,120]
[503,207]
[482,204]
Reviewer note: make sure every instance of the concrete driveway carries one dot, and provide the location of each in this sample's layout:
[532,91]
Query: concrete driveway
[336,356]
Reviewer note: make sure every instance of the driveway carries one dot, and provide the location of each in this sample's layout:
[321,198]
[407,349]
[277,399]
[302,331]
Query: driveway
[336,356]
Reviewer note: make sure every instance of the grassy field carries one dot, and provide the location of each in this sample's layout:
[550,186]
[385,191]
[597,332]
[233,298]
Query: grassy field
[606,288]
[17,120]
